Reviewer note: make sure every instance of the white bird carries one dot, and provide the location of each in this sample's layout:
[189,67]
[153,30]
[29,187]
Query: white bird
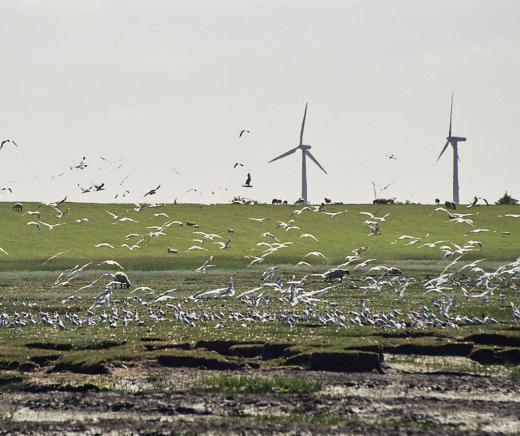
[53,257]
[302,263]
[103,244]
[127,220]
[196,247]
[111,262]
[308,235]
[51,226]
[477,231]
[332,214]
[363,264]
[258,220]
[34,223]
[131,247]
[315,254]
[204,267]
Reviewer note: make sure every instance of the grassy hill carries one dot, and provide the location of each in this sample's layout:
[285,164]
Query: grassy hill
[28,248]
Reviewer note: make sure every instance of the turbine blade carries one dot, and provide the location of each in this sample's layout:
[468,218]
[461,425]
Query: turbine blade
[303,123]
[451,113]
[315,161]
[444,149]
[285,154]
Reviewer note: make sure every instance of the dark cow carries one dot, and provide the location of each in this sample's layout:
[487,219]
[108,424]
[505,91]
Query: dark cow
[328,200]
[122,279]
[450,205]
[384,201]
[276,201]
[437,201]
[336,274]
[17,207]
[285,202]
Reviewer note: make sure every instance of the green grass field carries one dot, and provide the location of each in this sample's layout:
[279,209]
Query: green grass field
[28,248]
[26,286]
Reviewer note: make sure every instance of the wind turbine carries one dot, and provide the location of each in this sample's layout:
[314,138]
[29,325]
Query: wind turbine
[305,152]
[454,141]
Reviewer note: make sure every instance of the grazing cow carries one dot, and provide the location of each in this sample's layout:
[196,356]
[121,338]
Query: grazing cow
[17,207]
[285,202]
[328,200]
[336,274]
[276,201]
[450,205]
[384,201]
[122,279]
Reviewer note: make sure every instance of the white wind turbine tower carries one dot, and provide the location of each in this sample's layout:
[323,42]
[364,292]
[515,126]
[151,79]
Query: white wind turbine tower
[305,152]
[454,141]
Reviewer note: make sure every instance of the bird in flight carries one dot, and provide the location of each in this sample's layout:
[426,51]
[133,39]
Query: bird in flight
[152,191]
[392,156]
[248,181]
[7,141]
[243,131]
[237,164]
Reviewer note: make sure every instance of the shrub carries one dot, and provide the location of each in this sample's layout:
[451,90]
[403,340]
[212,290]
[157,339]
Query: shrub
[507,199]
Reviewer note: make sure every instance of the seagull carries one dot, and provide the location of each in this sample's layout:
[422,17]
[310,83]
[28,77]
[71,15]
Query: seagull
[111,262]
[258,220]
[196,247]
[363,264]
[51,226]
[243,131]
[103,244]
[308,235]
[302,263]
[315,254]
[204,267]
[34,223]
[332,214]
[53,257]
[7,141]
[237,164]
[152,191]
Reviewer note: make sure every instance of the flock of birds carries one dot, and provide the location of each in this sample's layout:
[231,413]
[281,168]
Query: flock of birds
[291,301]
[119,189]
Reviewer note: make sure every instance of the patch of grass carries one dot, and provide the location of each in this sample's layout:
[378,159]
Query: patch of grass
[28,248]
[12,382]
[241,384]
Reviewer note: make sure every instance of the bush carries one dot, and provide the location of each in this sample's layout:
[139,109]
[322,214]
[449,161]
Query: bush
[507,199]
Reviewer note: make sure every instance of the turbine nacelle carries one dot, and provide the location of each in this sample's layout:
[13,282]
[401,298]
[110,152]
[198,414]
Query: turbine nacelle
[305,147]
[455,139]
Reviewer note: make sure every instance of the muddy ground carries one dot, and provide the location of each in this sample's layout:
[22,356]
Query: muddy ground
[148,399]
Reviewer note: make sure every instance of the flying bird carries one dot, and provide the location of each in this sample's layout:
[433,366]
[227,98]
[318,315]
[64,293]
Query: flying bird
[243,131]
[152,191]
[7,141]
[248,181]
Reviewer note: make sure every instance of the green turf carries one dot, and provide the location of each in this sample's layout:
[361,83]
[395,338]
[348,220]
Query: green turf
[28,248]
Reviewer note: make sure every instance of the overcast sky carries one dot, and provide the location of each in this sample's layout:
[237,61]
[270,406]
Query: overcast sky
[163,84]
